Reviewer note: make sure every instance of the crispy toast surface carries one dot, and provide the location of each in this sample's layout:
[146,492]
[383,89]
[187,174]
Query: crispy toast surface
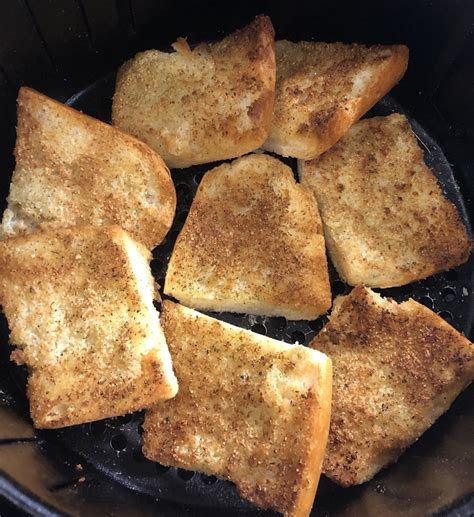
[200,105]
[250,409]
[386,221]
[397,368]
[323,88]
[73,169]
[79,304]
[252,243]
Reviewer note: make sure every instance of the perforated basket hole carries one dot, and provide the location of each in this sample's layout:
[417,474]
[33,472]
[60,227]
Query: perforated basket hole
[427,301]
[185,475]
[198,177]
[208,480]
[279,323]
[259,328]
[448,294]
[446,315]
[318,325]
[118,442]
[298,337]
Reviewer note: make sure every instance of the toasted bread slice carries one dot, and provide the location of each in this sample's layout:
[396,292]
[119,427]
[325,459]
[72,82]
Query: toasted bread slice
[73,169]
[323,88]
[79,304]
[200,105]
[397,368]
[386,220]
[252,243]
[250,409]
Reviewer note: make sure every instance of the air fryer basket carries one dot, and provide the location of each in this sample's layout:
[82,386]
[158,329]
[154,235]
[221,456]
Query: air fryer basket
[70,49]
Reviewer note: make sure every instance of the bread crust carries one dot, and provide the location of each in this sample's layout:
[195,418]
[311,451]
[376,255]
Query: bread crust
[318,96]
[386,220]
[397,368]
[201,105]
[319,423]
[79,304]
[252,243]
[250,409]
[74,169]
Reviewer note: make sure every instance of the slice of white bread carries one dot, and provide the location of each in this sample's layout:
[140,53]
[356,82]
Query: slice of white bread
[397,368]
[73,169]
[249,409]
[79,304]
[323,88]
[200,105]
[386,220]
[252,243]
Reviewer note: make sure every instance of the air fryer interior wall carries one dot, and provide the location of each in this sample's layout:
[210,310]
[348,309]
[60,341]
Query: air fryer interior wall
[68,47]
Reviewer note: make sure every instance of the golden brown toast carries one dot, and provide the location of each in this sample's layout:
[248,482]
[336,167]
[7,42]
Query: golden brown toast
[79,304]
[386,220]
[323,88]
[200,105]
[252,243]
[397,368]
[249,409]
[73,169]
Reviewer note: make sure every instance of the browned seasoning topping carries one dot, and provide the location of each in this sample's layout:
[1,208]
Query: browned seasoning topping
[392,224]
[323,88]
[73,169]
[397,368]
[86,329]
[242,399]
[253,238]
[197,106]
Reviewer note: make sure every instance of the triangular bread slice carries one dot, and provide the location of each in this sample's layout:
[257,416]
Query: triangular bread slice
[323,88]
[397,368]
[200,105]
[73,169]
[79,304]
[386,220]
[252,243]
[249,409]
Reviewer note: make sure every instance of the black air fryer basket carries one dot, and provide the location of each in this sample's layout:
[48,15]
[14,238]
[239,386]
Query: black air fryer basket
[70,50]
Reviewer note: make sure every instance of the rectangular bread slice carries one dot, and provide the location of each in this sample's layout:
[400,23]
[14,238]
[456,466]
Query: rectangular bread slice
[73,169]
[323,88]
[249,409]
[252,243]
[397,368]
[79,304]
[386,221]
[209,103]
